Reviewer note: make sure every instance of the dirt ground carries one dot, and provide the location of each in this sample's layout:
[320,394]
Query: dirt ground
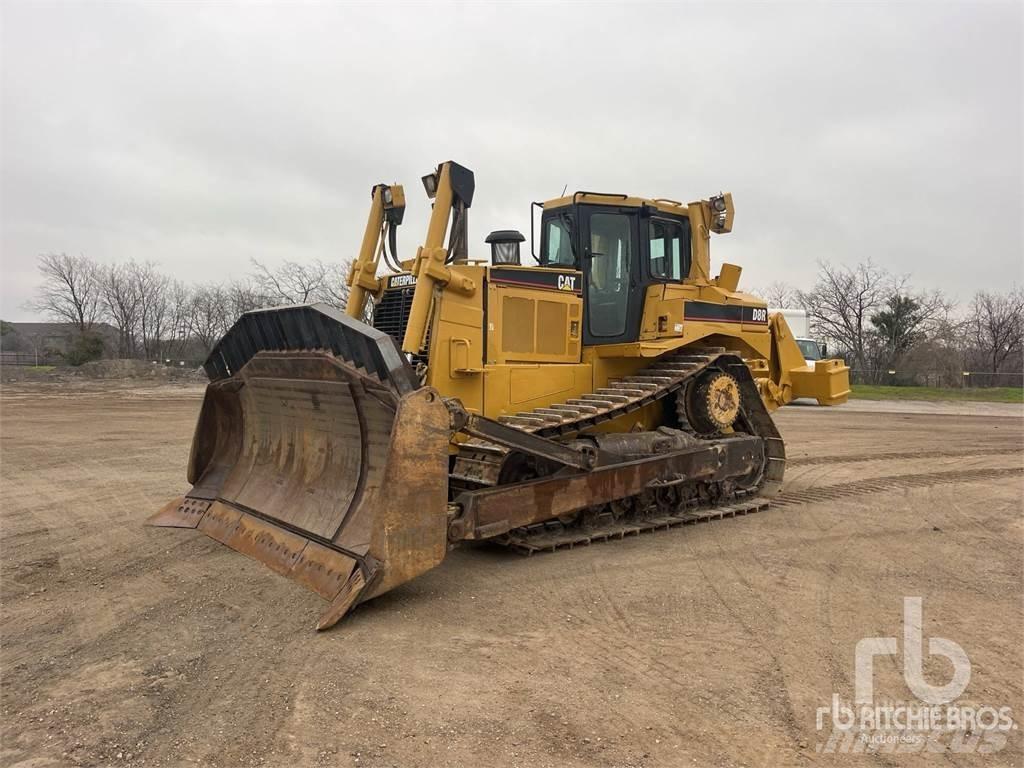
[706,645]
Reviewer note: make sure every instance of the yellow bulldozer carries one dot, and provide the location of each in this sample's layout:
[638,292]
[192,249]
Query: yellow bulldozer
[612,387]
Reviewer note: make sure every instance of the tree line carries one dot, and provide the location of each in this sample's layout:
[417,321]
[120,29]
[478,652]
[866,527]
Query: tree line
[879,323]
[157,317]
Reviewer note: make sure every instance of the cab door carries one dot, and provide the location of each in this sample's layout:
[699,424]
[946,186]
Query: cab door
[613,290]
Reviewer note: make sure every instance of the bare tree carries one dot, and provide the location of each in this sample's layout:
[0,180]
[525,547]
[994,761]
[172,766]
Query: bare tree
[207,315]
[336,287]
[295,283]
[71,289]
[842,302]
[120,300]
[154,310]
[780,295]
[244,296]
[995,325]
[179,317]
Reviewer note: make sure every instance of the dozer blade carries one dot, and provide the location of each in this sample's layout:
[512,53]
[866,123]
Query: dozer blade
[318,454]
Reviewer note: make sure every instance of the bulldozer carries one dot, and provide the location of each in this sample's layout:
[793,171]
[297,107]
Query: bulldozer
[613,386]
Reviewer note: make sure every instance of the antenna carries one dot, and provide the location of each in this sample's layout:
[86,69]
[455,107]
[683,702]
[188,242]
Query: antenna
[563,190]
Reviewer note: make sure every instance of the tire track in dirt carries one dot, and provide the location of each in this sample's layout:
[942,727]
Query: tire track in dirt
[195,652]
[612,634]
[888,483]
[775,690]
[811,461]
[182,683]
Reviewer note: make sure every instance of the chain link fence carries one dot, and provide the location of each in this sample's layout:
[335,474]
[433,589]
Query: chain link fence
[30,358]
[894,377]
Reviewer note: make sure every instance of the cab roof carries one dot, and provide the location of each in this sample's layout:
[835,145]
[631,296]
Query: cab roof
[610,198]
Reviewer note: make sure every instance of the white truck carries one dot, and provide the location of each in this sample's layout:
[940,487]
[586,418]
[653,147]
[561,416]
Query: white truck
[800,325]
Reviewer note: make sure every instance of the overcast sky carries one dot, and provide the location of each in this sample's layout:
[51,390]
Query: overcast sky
[201,135]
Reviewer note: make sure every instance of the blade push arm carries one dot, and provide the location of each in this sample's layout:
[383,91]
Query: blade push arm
[791,377]
[451,186]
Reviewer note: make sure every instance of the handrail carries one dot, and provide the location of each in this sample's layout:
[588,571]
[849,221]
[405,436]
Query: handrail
[576,195]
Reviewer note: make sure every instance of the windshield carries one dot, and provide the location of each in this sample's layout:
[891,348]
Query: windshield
[809,349]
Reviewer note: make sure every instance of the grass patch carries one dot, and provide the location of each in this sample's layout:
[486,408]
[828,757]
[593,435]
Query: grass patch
[979,395]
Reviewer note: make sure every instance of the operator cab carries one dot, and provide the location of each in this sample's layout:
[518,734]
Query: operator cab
[621,245]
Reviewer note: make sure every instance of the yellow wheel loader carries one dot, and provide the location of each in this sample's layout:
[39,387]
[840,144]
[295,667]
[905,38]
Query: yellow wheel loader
[612,387]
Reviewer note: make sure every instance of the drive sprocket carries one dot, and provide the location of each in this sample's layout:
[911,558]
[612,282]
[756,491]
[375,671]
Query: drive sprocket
[712,403]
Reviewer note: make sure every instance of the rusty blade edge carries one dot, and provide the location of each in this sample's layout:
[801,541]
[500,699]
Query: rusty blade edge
[181,512]
[290,554]
[344,601]
[320,569]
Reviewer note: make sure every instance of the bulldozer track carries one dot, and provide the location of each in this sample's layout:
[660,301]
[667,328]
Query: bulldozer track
[620,397]
[552,536]
[479,462]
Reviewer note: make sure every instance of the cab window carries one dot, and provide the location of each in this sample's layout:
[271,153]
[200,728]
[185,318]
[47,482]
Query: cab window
[669,249]
[558,248]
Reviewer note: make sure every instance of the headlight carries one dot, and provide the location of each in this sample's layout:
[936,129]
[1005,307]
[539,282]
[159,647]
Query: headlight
[430,184]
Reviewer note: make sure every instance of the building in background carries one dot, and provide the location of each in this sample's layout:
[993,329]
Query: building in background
[50,343]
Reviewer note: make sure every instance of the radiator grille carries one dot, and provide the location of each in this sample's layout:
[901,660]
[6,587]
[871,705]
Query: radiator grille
[391,313]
